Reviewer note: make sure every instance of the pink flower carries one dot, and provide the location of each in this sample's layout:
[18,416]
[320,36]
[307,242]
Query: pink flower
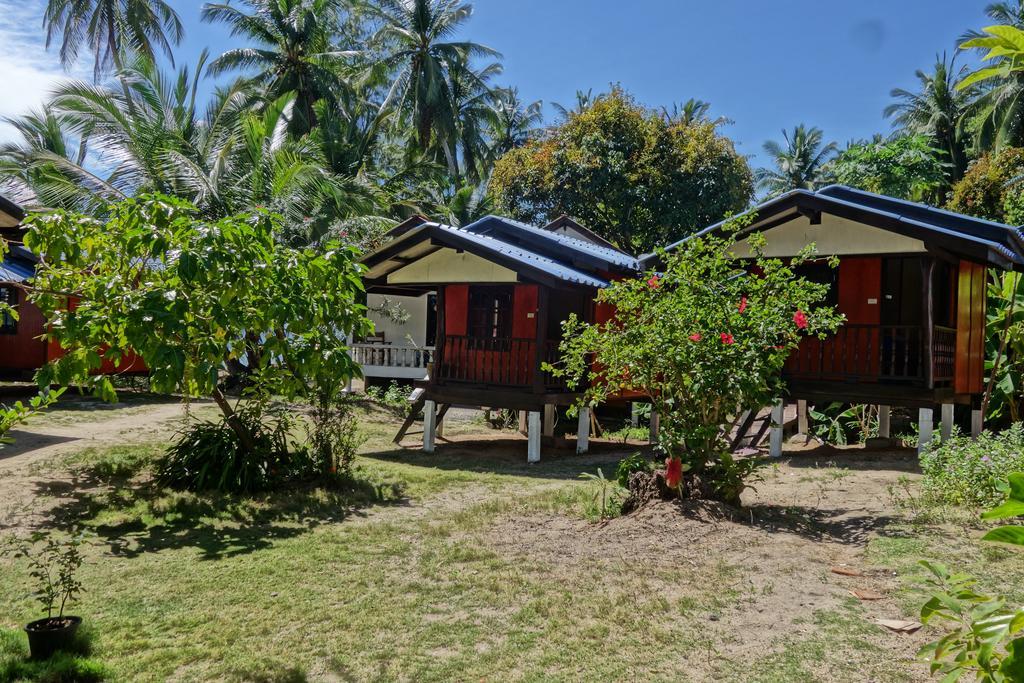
[654,282]
[695,336]
[743,304]
[727,338]
[800,319]
[673,472]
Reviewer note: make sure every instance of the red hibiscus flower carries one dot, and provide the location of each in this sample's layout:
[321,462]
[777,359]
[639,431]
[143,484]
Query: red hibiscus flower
[673,472]
[654,282]
[695,336]
[743,304]
[727,338]
[800,319]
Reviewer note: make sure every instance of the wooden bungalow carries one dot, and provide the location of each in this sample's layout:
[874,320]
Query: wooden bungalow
[911,282]
[502,289]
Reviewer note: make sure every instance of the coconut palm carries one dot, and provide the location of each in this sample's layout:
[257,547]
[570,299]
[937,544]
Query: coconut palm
[798,164]
[294,50]
[514,122]
[473,102]
[938,109]
[584,100]
[1005,13]
[110,29]
[999,121]
[415,40]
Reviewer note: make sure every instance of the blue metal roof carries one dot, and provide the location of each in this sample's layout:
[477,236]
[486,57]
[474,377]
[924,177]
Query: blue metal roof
[527,258]
[1002,240]
[15,270]
[572,244]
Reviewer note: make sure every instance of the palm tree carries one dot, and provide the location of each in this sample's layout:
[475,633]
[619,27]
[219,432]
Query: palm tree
[110,29]
[999,121]
[415,39]
[514,122]
[294,51]
[939,109]
[472,101]
[1005,13]
[798,165]
[584,100]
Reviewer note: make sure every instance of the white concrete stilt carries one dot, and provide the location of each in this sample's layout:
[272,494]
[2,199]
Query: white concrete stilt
[977,423]
[655,427]
[947,421]
[583,431]
[925,424]
[533,437]
[802,422]
[884,415]
[775,437]
[429,425]
[549,419]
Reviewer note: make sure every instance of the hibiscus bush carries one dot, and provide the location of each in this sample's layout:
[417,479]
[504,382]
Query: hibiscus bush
[702,339]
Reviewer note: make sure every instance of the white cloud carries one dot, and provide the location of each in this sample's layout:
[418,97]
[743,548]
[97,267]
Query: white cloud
[28,72]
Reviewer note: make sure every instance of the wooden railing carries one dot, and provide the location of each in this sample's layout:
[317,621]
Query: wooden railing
[875,352]
[507,362]
[385,355]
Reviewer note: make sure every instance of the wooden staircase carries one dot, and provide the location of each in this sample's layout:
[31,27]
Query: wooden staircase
[751,428]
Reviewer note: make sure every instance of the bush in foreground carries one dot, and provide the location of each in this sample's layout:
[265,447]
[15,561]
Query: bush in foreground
[973,472]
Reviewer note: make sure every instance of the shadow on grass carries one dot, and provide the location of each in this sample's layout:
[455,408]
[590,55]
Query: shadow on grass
[508,457]
[75,665]
[834,525]
[133,517]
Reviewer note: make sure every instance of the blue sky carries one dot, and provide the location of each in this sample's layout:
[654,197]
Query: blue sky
[765,65]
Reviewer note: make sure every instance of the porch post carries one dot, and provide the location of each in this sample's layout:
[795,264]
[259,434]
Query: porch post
[775,439]
[928,322]
[533,437]
[521,419]
[947,421]
[925,423]
[583,431]
[429,425]
[977,422]
[883,421]
[655,428]
[549,419]
[634,414]
[803,425]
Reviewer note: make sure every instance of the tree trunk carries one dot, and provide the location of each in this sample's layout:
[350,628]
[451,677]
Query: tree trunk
[232,419]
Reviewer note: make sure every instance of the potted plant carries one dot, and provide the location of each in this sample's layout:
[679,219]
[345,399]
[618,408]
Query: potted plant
[53,563]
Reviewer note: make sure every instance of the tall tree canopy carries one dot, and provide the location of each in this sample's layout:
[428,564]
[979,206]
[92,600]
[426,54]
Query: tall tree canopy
[908,167]
[798,162]
[110,29]
[635,178]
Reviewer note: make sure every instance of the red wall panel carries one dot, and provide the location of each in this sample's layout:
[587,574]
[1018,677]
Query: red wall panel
[24,350]
[456,310]
[524,312]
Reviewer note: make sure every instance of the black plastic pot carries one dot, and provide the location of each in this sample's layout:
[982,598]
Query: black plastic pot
[46,636]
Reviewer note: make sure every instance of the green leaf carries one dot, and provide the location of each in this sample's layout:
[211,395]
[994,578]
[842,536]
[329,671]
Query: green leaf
[1014,505]
[1013,664]
[1014,535]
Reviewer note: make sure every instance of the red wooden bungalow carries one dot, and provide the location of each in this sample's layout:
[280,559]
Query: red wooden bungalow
[503,289]
[23,349]
[911,282]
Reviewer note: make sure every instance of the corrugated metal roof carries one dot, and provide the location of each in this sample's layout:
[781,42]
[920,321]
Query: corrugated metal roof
[524,256]
[612,256]
[15,270]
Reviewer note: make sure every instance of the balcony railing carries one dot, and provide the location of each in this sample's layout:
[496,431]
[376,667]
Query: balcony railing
[508,362]
[385,360]
[873,353]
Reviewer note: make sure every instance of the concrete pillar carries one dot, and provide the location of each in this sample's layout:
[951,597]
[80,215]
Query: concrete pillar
[924,428]
[549,419]
[655,428]
[977,423]
[884,414]
[429,425]
[533,437]
[583,431]
[947,421]
[802,423]
[775,437]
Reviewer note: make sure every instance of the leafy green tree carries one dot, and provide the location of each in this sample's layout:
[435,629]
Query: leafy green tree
[188,296]
[908,167]
[999,122]
[798,163]
[294,50]
[110,29]
[939,109]
[626,173]
[702,340]
[415,38]
[987,187]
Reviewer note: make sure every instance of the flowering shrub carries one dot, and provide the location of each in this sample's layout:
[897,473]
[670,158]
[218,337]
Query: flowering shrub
[972,472]
[703,340]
